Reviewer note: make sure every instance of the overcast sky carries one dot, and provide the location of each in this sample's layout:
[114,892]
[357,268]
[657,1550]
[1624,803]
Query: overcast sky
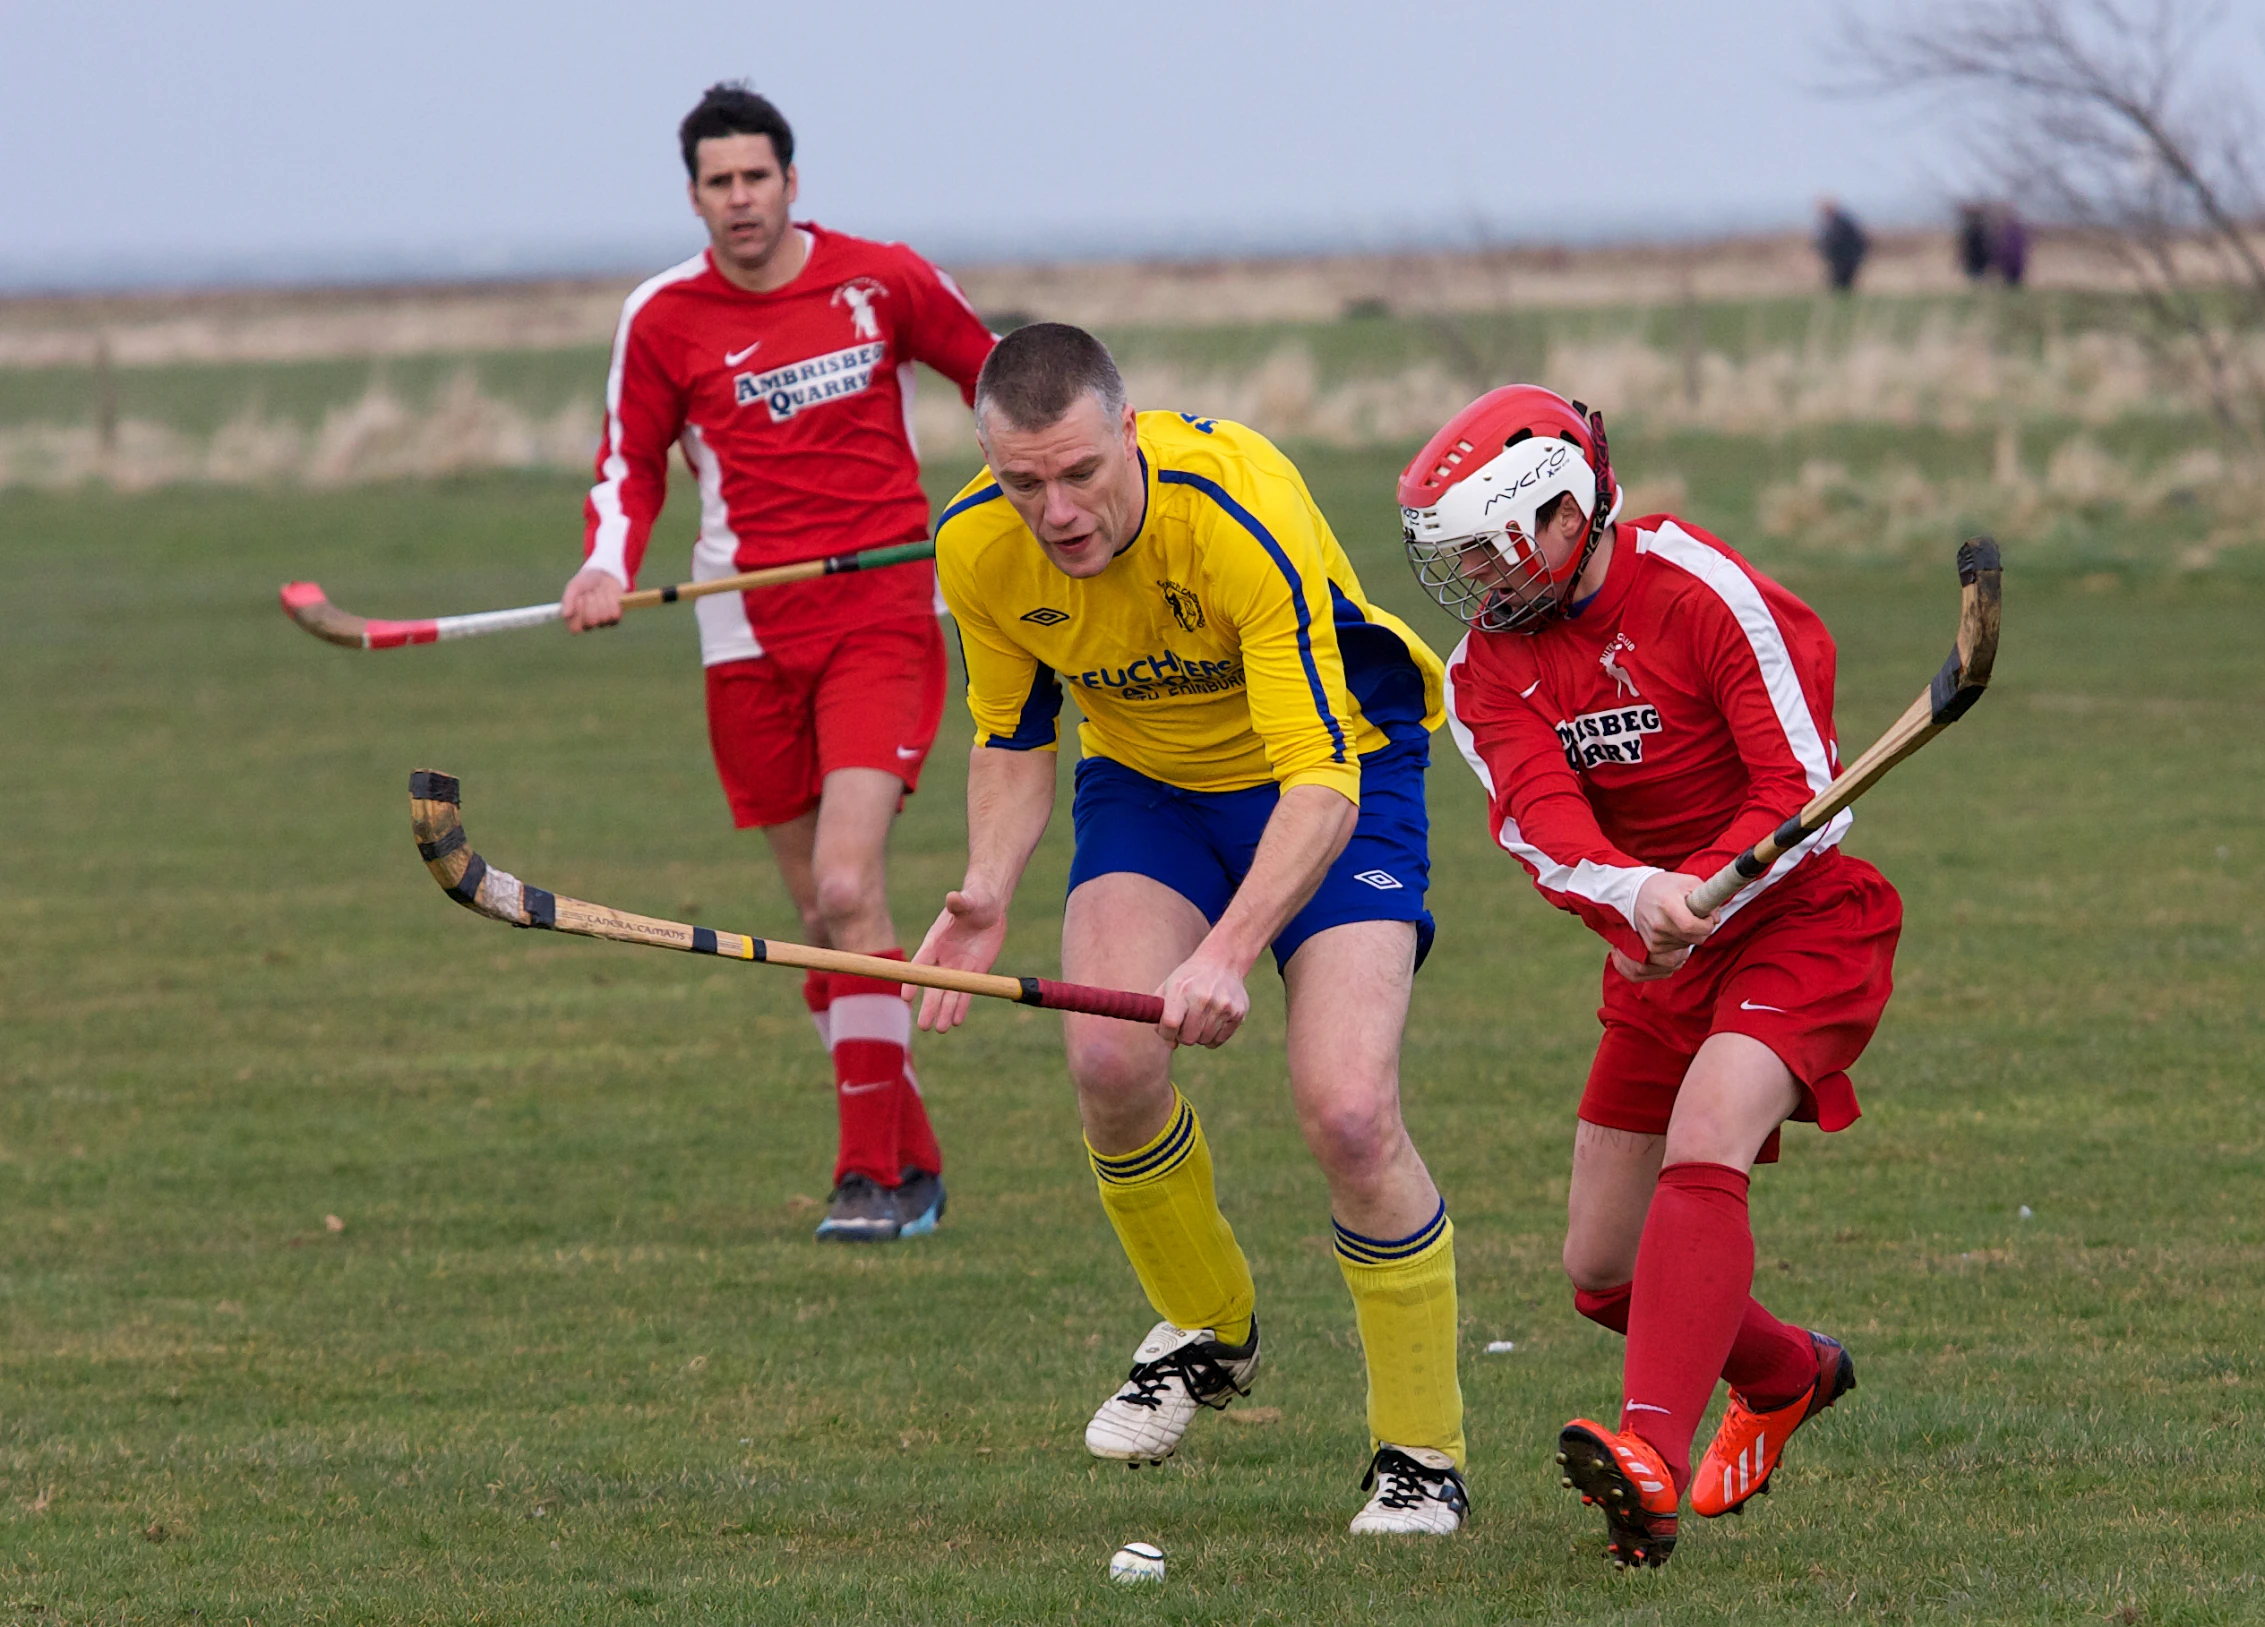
[190,141]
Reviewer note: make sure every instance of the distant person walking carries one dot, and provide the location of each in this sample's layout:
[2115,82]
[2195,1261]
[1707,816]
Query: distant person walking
[1991,239]
[1974,246]
[1841,244]
[2009,246]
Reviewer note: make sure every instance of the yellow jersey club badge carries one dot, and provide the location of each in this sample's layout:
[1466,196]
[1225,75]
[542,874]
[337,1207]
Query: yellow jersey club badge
[1186,608]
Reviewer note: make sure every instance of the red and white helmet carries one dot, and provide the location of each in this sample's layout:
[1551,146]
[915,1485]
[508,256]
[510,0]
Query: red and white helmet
[1468,502]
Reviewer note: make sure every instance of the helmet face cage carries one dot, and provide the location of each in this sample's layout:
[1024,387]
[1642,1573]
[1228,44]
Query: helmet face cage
[1494,577]
[1496,582]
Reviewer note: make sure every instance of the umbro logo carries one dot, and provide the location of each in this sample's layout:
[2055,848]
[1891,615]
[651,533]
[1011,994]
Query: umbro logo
[1384,881]
[1046,616]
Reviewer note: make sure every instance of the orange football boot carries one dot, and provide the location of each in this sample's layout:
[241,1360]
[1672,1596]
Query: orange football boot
[1745,1450]
[1624,1473]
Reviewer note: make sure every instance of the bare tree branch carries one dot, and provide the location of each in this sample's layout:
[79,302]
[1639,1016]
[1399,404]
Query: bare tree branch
[2098,114]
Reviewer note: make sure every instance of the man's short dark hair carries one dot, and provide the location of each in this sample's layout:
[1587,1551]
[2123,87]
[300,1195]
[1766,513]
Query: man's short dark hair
[1036,374]
[731,108]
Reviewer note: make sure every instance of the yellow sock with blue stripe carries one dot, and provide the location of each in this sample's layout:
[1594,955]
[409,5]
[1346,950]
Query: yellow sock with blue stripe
[1161,1201]
[1404,1299]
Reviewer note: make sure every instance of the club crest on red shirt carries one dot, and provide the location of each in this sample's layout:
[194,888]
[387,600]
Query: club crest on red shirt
[1621,645]
[858,294]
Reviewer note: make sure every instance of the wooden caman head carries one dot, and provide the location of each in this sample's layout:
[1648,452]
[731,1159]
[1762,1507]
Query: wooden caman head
[1956,687]
[1967,673]
[435,815]
[310,607]
[435,802]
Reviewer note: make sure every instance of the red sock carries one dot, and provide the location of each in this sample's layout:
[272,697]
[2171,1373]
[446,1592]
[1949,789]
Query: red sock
[1771,1363]
[870,1027]
[1606,1307]
[818,995]
[1694,1271]
[916,1138]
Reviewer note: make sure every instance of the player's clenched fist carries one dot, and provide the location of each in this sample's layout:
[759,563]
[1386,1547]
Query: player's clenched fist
[592,599]
[1204,1002]
[1662,919]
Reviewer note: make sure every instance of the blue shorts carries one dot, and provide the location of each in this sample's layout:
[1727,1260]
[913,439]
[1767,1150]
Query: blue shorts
[1200,843]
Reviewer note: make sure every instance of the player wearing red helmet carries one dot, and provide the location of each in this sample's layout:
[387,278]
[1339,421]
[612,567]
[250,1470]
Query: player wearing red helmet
[1641,704]
[1473,507]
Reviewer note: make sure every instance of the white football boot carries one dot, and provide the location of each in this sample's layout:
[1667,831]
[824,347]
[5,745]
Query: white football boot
[1417,1493]
[1175,1371]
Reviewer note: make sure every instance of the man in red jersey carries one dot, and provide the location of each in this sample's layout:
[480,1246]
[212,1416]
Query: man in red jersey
[779,360]
[1641,706]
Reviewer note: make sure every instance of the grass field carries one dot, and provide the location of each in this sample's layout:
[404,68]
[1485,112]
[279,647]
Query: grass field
[573,1356]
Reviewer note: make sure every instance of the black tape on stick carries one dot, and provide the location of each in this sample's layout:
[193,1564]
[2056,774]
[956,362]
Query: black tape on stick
[429,851]
[467,889]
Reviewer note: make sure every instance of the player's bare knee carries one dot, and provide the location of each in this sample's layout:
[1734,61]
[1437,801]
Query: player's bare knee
[1109,1067]
[1705,1137]
[1592,1267]
[1354,1139]
[848,894]
[1123,1111]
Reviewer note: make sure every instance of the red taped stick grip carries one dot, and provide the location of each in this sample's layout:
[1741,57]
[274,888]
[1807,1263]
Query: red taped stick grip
[1133,1008]
[392,635]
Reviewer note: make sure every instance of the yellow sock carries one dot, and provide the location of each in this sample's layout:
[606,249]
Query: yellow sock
[1404,1300]
[1160,1199]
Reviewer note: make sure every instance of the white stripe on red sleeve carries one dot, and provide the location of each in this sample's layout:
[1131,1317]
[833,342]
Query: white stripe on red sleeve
[953,288]
[609,548]
[1721,575]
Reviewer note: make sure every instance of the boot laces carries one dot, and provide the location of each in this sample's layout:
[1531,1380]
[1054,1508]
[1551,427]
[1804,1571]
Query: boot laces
[1406,1484]
[1193,1367]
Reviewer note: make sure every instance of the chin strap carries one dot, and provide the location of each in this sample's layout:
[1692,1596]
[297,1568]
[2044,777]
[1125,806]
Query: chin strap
[1600,514]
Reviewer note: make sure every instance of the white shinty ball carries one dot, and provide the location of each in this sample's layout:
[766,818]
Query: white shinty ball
[1137,1562]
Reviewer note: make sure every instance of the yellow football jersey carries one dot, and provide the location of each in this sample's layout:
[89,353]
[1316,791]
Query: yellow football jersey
[1228,646]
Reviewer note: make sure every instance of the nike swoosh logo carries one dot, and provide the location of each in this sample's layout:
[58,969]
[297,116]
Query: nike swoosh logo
[1640,1406]
[907,753]
[1529,689]
[732,358]
[862,1090]
[1756,1005]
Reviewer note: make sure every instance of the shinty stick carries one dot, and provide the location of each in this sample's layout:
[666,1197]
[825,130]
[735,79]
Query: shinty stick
[310,607]
[1956,687]
[434,803]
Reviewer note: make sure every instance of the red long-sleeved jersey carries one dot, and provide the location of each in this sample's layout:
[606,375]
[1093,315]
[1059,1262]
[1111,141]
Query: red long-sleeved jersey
[794,412]
[1683,714]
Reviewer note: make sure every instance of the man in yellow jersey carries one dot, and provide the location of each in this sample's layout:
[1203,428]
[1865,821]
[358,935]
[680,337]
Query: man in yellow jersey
[1254,740]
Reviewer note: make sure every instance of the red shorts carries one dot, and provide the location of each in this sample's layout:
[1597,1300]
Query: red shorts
[779,724]
[1806,969]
